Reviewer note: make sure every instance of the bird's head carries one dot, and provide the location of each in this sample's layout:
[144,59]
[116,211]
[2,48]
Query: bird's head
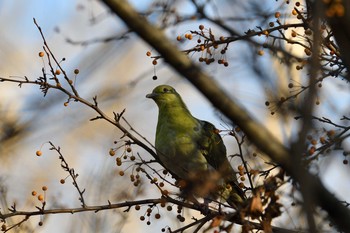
[165,95]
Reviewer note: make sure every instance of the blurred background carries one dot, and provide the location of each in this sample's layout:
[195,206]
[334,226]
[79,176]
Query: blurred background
[114,67]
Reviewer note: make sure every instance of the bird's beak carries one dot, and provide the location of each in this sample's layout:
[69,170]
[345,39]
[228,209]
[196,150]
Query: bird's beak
[151,95]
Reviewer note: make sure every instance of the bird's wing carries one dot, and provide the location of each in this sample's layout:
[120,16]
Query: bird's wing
[212,146]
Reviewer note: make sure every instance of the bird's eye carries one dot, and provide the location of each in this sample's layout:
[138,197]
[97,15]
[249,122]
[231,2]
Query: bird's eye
[166,89]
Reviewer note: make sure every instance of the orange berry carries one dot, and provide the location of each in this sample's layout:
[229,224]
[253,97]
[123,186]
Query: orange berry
[178,38]
[277,14]
[148,53]
[70,81]
[57,72]
[34,193]
[260,52]
[62,181]
[41,54]
[330,133]
[154,62]
[312,150]
[111,152]
[128,149]
[44,188]
[41,197]
[294,12]
[65,104]
[38,153]
[307,52]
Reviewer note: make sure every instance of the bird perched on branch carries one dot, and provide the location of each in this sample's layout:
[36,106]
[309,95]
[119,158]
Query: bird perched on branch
[193,150]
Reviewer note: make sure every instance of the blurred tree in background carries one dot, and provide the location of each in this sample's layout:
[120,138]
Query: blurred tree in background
[271,75]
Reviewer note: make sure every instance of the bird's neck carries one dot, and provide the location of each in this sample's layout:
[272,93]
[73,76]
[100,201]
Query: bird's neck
[175,114]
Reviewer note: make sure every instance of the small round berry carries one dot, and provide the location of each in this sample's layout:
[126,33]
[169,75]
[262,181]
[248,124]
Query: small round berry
[44,188]
[345,161]
[38,153]
[128,149]
[57,72]
[240,168]
[137,207]
[41,197]
[169,208]
[76,71]
[40,223]
[41,54]
[34,193]
[3,227]
[65,104]
[132,158]
[62,181]
[277,14]
[111,152]
[148,53]
[142,218]
[294,12]
[70,81]
[121,173]
[307,51]
[178,38]
[260,52]
[154,62]
[154,77]
[201,27]
[157,216]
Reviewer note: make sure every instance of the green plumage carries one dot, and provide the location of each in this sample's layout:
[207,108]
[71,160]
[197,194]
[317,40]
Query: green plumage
[191,148]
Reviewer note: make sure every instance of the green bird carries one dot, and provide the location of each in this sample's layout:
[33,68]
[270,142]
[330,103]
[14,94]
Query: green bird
[192,149]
